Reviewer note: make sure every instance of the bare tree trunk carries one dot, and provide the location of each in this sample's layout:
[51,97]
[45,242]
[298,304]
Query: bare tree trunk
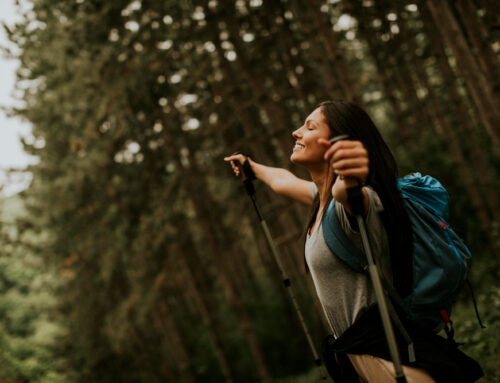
[142,353]
[285,44]
[184,267]
[484,97]
[492,17]
[463,120]
[164,317]
[478,37]
[398,56]
[226,281]
[330,81]
[330,44]
[396,61]
[384,71]
[279,121]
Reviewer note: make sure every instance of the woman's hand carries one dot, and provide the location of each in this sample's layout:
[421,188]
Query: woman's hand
[236,161]
[349,159]
[350,162]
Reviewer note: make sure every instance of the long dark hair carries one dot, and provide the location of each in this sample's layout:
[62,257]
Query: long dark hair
[347,118]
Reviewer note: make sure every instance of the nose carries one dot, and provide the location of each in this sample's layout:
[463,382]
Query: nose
[296,133]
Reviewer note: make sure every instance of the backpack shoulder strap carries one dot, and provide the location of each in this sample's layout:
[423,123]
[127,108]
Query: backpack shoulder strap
[338,242]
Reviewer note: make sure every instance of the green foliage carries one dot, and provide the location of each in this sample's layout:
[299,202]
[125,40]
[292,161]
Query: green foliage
[276,323]
[481,344]
[28,332]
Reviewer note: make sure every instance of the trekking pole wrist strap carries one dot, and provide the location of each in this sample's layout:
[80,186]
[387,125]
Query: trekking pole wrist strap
[355,199]
[246,168]
[247,174]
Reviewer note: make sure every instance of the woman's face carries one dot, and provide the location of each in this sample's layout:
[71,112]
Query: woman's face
[307,151]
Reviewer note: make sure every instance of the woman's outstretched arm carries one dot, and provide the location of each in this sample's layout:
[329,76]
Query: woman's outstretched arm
[280,180]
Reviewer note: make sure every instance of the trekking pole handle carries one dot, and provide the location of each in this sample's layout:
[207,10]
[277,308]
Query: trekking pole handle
[354,193]
[355,198]
[338,138]
[246,173]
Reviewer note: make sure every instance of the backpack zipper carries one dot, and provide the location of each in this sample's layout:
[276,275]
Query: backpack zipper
[452,244]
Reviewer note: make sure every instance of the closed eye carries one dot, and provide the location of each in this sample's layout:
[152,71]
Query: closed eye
[309,125]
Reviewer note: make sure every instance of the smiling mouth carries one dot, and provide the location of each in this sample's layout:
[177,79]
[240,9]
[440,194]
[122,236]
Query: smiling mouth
[298,147]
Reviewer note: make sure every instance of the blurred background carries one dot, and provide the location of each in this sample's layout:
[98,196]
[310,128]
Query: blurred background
[130,252]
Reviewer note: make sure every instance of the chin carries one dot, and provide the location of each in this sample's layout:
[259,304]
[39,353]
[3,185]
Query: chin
[294,158]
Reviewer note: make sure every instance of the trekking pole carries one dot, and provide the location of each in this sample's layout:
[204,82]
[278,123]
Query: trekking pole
[247,176]
[355,199]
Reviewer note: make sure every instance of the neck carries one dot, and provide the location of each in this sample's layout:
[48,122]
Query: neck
[319,177]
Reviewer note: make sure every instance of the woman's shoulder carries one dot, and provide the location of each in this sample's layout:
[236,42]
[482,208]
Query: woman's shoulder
[314,190]
[374,202]
[372,216]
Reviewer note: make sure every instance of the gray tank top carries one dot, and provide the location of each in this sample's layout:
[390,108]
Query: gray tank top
[343,293]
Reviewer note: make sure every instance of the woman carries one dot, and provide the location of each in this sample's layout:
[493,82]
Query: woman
[347,297]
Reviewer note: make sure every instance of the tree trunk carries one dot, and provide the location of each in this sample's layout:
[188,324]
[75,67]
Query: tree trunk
[330,44]
[214,249]
[142,354]
[492,17]
[384,71]
[285,43]
[185,267]
[479,41]
[463,120]
[484,97]
[181,355]
[329,80]
[397,60]
[279,122]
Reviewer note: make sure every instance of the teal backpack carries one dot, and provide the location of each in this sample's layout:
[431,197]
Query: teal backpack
[441,260]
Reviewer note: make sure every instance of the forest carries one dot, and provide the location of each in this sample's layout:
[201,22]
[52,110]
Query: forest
[135,254]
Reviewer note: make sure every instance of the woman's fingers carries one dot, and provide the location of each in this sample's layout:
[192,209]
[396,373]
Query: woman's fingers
[235,157]
[343,154]
[349,159]
[235,161]
[359,173]
[345,149]
[358,170]
[345,164]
